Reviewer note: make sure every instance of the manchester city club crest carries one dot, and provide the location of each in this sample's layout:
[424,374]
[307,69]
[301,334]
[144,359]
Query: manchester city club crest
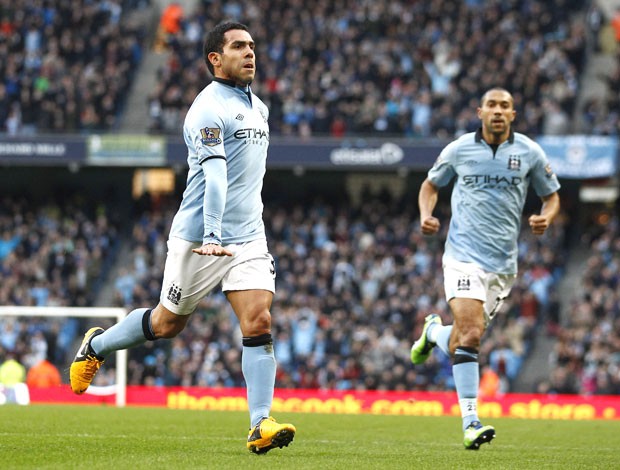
[174,294]
[463,283]
[514,162]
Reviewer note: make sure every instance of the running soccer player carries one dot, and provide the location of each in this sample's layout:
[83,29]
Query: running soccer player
[217,236]
[492,169]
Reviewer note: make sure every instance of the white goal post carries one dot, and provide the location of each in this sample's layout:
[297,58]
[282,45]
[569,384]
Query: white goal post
[120,388]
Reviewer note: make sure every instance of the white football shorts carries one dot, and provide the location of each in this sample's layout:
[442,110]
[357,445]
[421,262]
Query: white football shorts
[470,281]
[189,277]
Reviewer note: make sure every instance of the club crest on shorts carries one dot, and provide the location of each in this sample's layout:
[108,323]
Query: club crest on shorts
[210,136]
[463,283]
[174,294]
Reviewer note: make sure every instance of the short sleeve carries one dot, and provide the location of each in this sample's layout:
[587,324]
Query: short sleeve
[443,169]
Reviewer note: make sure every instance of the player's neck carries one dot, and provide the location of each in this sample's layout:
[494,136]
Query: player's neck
[495,139]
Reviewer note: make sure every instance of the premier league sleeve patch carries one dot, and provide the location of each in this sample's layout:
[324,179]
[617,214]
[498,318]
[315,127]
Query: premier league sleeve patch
[548,171]
[210,136]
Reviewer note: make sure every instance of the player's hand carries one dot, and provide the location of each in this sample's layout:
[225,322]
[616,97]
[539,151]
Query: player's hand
[212,249]
[430,225]
[538,224]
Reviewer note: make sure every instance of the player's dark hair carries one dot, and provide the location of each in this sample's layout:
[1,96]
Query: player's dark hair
[214,40]
[495,88]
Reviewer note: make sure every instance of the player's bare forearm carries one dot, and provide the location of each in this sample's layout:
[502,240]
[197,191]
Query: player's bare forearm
[212,249]
[427,200]
[539,223]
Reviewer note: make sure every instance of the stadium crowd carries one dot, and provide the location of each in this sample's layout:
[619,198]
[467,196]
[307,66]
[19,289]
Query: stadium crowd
[399,68]
[55,254]
[65,66]
[586,358]
[353,284]
[599,113]
[330,68]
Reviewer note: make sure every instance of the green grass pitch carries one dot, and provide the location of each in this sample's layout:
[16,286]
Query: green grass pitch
[101,437]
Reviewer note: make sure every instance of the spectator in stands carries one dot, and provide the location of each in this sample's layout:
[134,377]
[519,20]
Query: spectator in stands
[481,252]
[8,243]
[12,372]
[217,236]
[615,24]
[12,381]
[490,383]
[43,374]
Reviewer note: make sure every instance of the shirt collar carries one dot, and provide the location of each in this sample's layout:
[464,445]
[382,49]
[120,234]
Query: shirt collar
[478,137]
[231,83]
[247,90]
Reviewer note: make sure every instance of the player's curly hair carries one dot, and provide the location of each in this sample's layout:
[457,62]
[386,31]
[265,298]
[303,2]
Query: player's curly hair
[214,40]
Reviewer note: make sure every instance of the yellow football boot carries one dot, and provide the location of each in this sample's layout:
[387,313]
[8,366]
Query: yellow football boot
[86,363]
[268,434]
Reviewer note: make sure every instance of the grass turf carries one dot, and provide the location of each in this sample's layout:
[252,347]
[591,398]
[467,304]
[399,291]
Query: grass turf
[99,437]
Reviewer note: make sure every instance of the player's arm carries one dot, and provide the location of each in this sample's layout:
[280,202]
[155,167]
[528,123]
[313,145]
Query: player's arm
[216,186]
[550,208]
[427,200]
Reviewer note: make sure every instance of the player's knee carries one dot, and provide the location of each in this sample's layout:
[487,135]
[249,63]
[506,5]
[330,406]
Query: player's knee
[168,331]
[165,324]
[469,337]
[257,324]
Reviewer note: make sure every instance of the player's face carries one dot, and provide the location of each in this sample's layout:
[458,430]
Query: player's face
[496,113]
[238,62]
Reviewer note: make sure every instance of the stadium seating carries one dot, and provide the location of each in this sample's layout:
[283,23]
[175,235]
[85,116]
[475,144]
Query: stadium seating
[343,69]
[52,254]
[395,68]
[353,287]
[585,359]
[66,66]
[353,283]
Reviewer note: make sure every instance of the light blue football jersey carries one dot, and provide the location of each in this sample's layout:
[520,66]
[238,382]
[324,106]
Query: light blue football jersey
[488,196]
[227,137]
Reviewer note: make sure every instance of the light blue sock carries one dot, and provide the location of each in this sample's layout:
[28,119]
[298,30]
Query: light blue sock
[440,335]
[258,364]
[467,380]
[125,334]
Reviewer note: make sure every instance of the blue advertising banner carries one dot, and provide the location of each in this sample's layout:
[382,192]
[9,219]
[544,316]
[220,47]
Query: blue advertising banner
[576,157]
[580,156]
[354,154]
[42,151]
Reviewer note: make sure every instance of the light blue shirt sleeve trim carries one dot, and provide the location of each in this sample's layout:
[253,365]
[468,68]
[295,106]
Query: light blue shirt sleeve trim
[216,184]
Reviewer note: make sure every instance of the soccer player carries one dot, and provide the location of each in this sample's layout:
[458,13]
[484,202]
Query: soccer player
[492,169]
[217,236]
